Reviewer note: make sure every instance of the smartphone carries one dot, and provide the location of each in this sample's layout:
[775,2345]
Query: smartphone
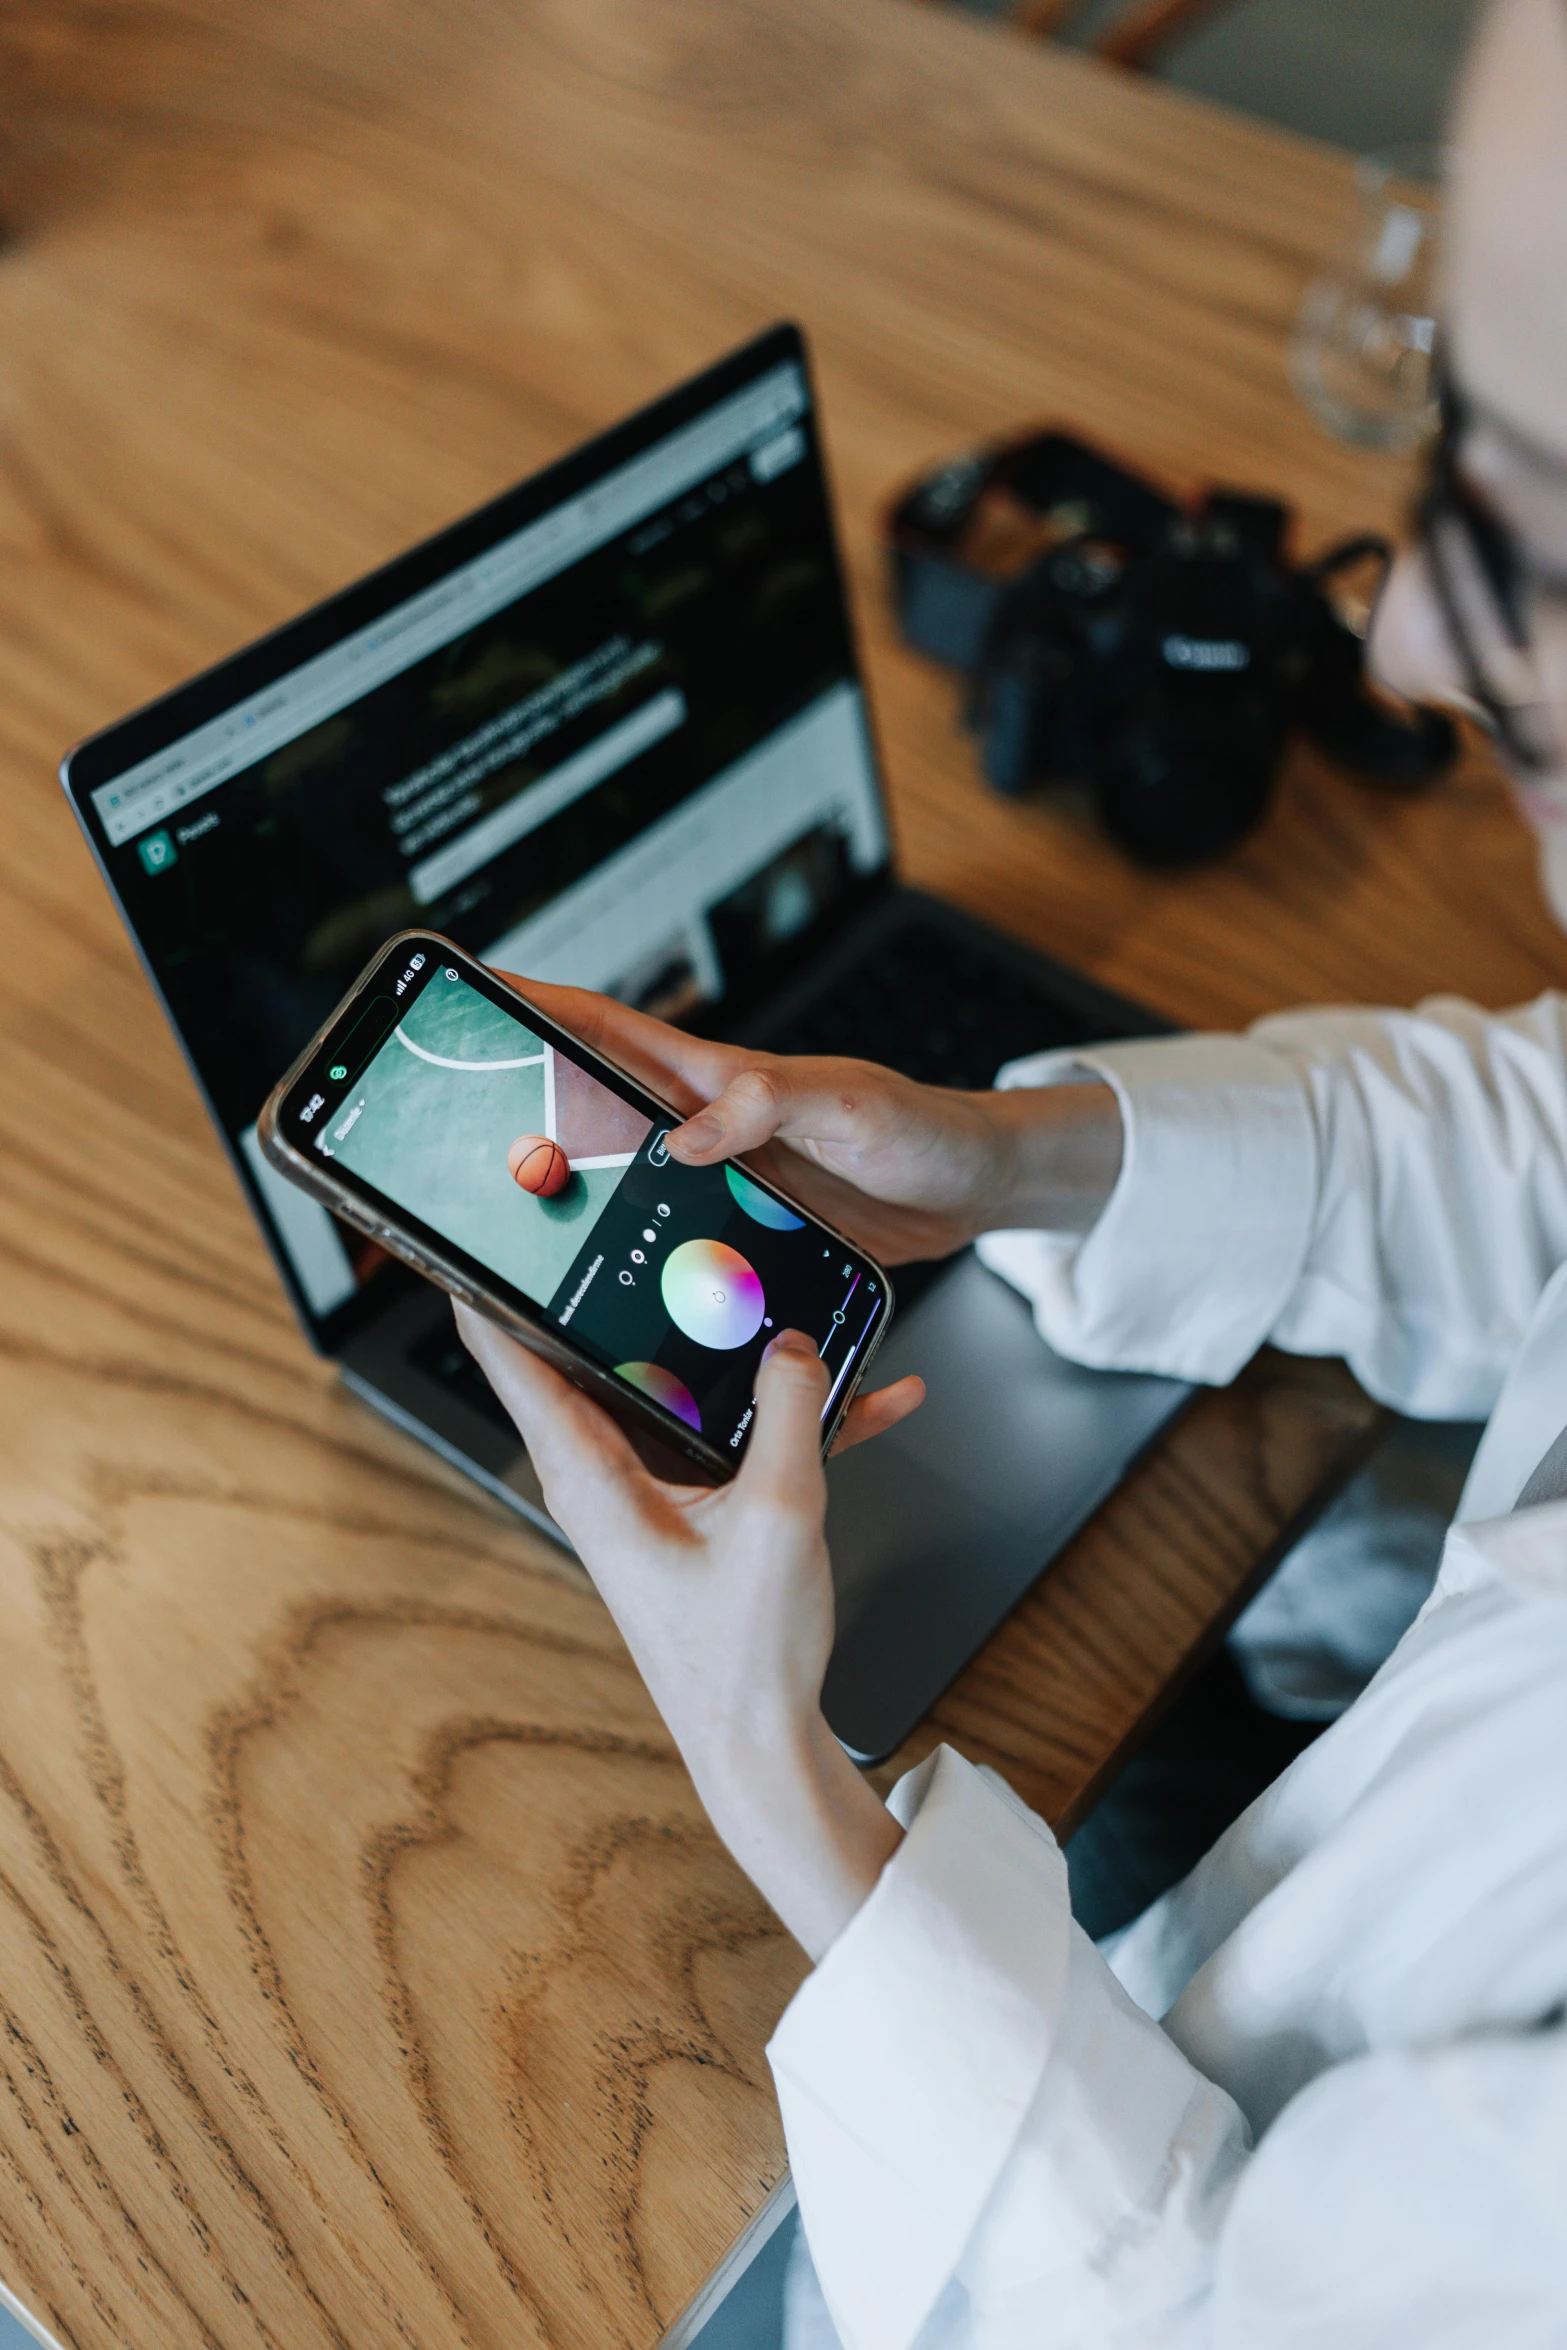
[484,1146]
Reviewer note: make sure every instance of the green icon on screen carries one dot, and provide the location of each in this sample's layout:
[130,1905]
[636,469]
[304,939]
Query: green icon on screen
[338,1074]
[157,852]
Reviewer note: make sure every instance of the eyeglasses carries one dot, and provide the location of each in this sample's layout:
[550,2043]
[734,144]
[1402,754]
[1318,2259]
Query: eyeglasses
[1486,593]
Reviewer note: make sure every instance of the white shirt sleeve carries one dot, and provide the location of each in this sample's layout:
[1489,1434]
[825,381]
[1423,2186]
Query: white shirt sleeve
[994,2149]
[977,2114]
[1388,1186]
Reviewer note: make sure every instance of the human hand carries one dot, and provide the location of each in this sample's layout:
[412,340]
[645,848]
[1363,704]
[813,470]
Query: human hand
[724,1597]
[906,1170]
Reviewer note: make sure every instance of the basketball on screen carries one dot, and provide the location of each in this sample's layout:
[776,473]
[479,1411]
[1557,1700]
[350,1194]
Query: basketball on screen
[538,1165]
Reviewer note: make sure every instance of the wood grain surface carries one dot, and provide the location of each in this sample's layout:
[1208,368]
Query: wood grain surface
[367,1973]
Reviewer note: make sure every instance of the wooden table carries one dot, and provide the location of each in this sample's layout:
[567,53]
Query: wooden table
[368,1973]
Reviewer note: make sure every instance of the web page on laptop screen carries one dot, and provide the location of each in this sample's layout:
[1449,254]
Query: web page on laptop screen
[624,748]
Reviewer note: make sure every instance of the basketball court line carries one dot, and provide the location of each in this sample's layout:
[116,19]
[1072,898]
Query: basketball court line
[440,1060]
[543,1059]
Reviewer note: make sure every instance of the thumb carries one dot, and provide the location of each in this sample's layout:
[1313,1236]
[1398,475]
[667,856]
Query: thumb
[747,1113]
[783,1461]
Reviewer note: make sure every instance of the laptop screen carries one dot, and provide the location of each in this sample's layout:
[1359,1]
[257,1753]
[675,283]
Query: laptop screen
[609,731]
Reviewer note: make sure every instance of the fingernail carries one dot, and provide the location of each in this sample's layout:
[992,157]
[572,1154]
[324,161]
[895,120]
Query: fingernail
[700,1133]
[788,1342]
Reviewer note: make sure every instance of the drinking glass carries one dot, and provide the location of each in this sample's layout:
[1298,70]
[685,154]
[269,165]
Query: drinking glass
[1360,357]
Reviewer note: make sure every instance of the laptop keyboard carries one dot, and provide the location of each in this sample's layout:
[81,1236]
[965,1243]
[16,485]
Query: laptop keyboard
[933,1007]
[923,1002]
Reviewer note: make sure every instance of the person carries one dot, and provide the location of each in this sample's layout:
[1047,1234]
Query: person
[1317,2094]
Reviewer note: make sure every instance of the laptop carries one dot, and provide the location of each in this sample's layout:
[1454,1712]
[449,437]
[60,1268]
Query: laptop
[611,730]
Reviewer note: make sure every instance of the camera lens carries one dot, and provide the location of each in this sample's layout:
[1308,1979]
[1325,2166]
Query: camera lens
[1168,802]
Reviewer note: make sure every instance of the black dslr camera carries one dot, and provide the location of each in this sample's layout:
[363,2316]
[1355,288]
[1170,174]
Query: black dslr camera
[1161,654]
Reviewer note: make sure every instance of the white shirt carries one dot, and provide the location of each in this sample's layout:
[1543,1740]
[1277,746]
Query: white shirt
[1317,2095]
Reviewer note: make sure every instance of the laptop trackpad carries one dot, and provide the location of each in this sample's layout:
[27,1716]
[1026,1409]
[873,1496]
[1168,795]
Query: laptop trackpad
[937,1529]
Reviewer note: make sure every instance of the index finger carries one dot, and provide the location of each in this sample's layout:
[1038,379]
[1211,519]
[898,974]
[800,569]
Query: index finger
[582,1458]
[686,1070]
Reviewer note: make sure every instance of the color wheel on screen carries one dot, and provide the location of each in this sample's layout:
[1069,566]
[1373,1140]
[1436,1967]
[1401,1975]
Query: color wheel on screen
[664,1388]
[711,1293]
[760,1205]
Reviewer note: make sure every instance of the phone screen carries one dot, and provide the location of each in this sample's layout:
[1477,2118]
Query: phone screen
[488,1131]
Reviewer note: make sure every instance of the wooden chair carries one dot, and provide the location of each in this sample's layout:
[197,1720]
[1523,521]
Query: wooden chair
[1135,38]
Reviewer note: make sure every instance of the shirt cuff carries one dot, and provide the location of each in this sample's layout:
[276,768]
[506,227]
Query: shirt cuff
[983,2127]
[1201,1244]
[907,2063]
